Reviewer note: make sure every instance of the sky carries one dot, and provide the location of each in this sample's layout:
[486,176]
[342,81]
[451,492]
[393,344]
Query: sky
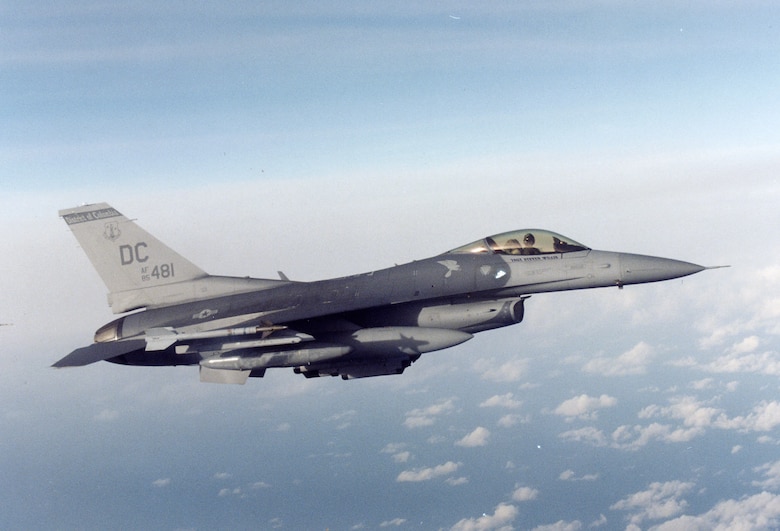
[326,139]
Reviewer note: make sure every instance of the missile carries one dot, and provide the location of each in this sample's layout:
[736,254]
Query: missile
[287,358]
[162,338]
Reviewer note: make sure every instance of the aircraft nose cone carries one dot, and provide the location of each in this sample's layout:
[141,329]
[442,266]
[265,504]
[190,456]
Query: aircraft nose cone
[638,268]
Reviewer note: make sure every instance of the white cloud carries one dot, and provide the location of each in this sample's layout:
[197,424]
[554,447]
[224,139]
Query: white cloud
[343,419]
[758,512]
[584,406]
[510,371]
[402,457]
[767,363]
[478,437]
[506,401]
[588,434]
[395,522]
[397,452]
[163,482]
[522,494]
[633,362]
[222,475]
[749,344]
[426,474]
[507,421]
[764,417]
[695,419]
[659,500]
[392,448]
[569,475]
[560,525]
[417,418]
[500,519]
[755,306]
[771,472]
[454,482]
[700,385]
[686,408]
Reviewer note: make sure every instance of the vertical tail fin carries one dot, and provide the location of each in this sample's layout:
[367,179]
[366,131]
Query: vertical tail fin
[126,257]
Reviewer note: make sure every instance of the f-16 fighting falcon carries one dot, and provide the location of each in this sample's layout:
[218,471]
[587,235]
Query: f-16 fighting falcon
[364,325]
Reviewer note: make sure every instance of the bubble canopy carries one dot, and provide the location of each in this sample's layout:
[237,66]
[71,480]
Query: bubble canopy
[522,242]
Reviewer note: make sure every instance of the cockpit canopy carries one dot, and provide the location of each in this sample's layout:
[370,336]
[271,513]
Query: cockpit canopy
[522,242]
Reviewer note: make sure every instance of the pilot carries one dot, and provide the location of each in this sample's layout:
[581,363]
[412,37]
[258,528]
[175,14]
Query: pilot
[528,245]
[512,246]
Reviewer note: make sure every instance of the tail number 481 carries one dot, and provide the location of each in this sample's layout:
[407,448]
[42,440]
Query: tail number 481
[157,272]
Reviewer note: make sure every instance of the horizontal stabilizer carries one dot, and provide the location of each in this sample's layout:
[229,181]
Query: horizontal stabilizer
[99,352]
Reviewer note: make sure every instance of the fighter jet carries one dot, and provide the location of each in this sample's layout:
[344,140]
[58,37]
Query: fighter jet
[370,324]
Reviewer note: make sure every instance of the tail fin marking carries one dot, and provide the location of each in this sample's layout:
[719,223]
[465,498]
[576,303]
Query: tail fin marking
[125,255]
[141,271]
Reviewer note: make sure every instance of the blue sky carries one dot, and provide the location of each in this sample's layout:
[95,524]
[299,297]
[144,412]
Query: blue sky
[329,140]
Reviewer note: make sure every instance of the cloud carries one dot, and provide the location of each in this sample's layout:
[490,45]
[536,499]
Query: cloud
[395,522]
[503,515]
[758,512]
[629,363]
[391,448]
[417,418]
[560,525]
[588,434]
[222,475]
[749,344]
[343,419]
[506,401]
[478,437]
[767,363]
[569,475]
[700,385]
[695,418]
[659,500]
[764,417]
[426,474]
[771,472]
[584,406]
[511,371]
[454,482]
[397,452]
[754,307]
[522,494]
[507,421]
[686,408]
[402,457]
[163,482]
